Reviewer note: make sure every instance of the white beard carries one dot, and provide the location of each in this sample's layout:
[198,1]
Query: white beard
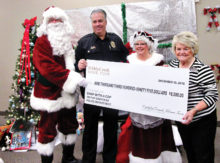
[60,37]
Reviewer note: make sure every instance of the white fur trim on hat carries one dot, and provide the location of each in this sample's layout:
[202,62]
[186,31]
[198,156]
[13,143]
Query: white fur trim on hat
[54,12]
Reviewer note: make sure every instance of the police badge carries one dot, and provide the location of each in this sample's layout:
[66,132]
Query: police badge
[112,43]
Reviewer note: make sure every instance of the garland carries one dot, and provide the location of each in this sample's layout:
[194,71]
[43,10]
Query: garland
[166,45]
[123,10]
[25,51]
[213,19]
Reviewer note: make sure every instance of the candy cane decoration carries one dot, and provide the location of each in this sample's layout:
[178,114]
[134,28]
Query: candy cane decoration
[213,19]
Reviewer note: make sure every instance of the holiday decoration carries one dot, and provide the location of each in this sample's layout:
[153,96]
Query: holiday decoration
[165,45]
[213,18]
[19,101]
[216,67]
[123,10]
[25,51]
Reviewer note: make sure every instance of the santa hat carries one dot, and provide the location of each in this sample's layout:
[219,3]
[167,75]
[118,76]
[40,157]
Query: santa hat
[146,37]
[53,12]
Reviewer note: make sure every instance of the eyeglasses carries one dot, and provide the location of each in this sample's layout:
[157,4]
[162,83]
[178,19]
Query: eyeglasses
[149,36]
[141,44]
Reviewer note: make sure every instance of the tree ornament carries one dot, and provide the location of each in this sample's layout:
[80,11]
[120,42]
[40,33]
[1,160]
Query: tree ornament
[22,105]
[31,44]
[23,80]
[26,109]
[32,74]
[8,122]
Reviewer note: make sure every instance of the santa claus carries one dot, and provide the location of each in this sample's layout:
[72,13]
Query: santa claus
[54,93]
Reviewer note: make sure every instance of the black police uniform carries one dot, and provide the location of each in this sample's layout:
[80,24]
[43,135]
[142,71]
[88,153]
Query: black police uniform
[109,49]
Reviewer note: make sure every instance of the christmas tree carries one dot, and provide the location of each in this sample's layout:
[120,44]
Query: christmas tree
[23,80]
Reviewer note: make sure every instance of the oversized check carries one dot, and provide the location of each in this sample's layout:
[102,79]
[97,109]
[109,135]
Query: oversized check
[150,90]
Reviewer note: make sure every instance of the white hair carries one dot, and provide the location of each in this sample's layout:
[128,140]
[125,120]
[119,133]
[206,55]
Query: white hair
[188,39]
[147,38]
[60,34]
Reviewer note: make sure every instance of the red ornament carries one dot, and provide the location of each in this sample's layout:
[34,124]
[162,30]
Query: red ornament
[21,126]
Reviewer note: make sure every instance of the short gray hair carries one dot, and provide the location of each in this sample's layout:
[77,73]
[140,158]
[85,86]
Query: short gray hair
[99,10]
[188,39]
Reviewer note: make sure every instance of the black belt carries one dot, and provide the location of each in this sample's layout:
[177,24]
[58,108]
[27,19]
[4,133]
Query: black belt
[43,80]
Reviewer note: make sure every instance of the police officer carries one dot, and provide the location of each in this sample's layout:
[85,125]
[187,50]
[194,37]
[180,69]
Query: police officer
[99,45]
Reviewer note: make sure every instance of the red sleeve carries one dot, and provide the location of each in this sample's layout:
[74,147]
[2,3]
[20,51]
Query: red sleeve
[50,67]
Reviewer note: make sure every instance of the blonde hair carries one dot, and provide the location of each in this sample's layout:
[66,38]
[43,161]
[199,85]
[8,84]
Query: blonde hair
[188,39]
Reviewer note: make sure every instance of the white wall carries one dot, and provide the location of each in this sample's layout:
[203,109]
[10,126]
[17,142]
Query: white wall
[13,13]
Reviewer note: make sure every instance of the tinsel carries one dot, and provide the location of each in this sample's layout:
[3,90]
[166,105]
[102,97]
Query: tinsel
[123,10]
[166,45]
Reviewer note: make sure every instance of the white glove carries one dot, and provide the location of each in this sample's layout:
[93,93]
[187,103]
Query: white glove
[83,83]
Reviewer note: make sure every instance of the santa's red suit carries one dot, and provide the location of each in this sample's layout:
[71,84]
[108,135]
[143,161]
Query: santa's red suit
[55,95]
